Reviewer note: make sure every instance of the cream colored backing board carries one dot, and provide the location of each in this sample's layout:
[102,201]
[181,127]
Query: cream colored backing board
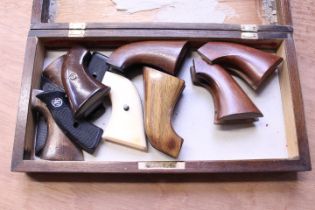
[193,120]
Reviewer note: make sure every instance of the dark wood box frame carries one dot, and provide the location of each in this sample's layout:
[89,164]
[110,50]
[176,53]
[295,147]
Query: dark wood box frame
[55,35]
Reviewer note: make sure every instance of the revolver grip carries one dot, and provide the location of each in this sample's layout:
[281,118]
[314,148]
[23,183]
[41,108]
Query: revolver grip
[230,102]
[126,125]
[252,65]
[84,134]
[53,71]
[57,147]
[84,92]
[162,92]
[163,55]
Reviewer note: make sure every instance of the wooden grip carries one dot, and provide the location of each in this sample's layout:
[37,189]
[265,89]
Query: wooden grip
[252,65]
[58,147]
[161,94]
[84,92]
[230,102]
[53,71]
[163,55]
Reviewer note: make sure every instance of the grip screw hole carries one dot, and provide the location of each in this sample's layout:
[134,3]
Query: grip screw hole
[75,124]
[126,107]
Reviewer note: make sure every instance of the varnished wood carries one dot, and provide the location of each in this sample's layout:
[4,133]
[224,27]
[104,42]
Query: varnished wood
[58,147]
[162,92]
[252,65]
[164,55]
[84,92]
[230,101]
[246,191]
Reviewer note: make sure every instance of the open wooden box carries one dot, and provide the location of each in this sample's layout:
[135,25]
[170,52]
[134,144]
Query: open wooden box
[277,142]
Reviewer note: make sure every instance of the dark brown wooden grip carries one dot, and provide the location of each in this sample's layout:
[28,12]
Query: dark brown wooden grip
[252,65]
[163,55]
[85,93]
[162,92]
[58,147]
[230,102]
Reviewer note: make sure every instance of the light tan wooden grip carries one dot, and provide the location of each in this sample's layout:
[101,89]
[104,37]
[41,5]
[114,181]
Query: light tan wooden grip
[162,92]
[252,65]
[230,102]
[58,147]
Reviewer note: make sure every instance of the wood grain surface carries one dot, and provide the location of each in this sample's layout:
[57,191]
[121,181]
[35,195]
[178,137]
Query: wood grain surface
[90,191]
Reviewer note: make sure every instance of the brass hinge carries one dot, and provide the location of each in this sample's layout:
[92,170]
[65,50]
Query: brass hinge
[249,31]
[76,29]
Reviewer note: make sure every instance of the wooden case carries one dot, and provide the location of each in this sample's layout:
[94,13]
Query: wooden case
[46,35]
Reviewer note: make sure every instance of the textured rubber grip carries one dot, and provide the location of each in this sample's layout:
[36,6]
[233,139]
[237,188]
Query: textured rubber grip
[84,134]
[41,135]
[98,66]
[47,85]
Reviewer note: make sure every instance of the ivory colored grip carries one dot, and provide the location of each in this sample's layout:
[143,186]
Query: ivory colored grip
[230,102]
[126,126]
[162,92]
[252,65]
[58,147]
[163,55]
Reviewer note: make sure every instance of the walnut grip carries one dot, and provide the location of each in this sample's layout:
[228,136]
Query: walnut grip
[161,94]
[163,55]
[252,65]
[57,147]
[230,101]
[84,92]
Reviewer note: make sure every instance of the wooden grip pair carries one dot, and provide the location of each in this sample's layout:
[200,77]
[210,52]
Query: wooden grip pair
[252,65]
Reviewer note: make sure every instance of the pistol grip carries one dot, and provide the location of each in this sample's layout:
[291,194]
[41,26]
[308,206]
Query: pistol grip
[84,92]
[252,65]
[58,147]
[162,92]
[84,134]
[126,126]
[163,55]
[53,71]
[230,102]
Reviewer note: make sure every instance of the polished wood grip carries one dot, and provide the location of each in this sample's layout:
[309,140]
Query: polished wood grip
[58,147]
[162,92]
[252,65]
[163,55]
[53,71]
[230,102]
[85,93]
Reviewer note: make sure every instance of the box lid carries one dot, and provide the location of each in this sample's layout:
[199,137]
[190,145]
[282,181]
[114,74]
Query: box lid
[229,15]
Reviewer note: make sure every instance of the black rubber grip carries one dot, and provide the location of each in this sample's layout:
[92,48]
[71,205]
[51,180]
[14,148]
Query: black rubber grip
[98,66]
[84,134]
[41,134]
[47,85]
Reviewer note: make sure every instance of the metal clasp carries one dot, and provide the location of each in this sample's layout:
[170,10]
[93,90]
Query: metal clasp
[76,29]
[249,31]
